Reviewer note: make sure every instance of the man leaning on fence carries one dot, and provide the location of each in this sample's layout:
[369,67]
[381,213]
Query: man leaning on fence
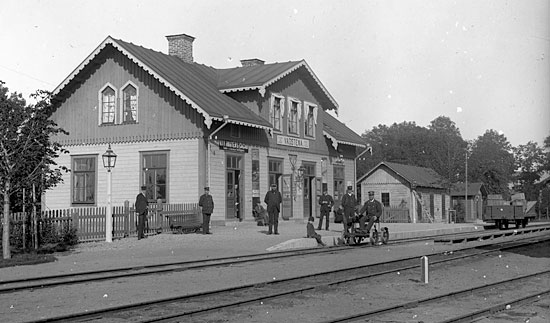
[141,209]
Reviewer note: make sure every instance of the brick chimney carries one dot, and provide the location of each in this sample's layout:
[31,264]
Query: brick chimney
[181,46]
[251,62]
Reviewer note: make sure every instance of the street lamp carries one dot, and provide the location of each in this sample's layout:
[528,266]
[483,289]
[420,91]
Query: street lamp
[109,161]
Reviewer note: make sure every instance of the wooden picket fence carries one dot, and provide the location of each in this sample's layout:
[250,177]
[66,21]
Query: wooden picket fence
[395,214]
[90,221]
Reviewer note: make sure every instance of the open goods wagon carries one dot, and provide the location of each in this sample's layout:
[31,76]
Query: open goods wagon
[503,215]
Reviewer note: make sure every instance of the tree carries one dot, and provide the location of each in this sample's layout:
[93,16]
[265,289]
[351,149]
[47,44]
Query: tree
[447,151]
[492,162]
[530,160]
[404,143]
[26,152]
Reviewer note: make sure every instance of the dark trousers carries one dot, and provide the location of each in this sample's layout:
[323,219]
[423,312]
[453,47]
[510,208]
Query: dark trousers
[349,213]
[326,214]
[141,225]
[362,221]
[206,223]
[317,237]
[273,221]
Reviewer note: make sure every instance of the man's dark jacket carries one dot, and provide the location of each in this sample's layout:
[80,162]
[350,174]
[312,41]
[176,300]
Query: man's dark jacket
[141,204]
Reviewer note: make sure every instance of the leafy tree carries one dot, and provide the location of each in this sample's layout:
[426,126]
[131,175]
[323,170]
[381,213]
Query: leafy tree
[492,162]
[447,149]
[26,152]
[404,143]
[530,160]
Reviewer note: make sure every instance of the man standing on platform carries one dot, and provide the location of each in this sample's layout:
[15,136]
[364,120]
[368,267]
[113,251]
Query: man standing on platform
[348,203]
[207,205]
[273,200]
[326,203]
[373,211]
[141,209]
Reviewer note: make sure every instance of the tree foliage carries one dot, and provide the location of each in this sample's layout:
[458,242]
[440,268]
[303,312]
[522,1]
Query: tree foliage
[530,163]
[492,162]
[27,155]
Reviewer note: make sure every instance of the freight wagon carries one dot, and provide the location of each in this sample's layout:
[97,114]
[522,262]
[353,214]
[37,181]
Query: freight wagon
[503,213]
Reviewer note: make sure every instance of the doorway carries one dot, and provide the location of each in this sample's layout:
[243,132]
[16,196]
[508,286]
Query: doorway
[233,203]
[308,183]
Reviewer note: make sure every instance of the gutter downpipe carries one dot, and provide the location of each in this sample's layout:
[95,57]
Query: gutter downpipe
[225,122]
[369,148]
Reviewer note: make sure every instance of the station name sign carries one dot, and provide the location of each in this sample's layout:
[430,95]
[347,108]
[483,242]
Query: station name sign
[294,142]
[232,145]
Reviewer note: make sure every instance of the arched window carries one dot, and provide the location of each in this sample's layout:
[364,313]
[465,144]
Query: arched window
[108,105]
[129,104]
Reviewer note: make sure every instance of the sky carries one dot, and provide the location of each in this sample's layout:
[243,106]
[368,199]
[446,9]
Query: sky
[485,64]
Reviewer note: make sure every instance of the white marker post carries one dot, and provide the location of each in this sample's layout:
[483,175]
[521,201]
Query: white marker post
[424,266]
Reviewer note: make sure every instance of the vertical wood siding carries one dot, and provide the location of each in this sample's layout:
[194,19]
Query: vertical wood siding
[160,113]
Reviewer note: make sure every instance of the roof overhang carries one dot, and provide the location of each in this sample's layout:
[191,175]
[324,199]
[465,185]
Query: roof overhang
[336,142]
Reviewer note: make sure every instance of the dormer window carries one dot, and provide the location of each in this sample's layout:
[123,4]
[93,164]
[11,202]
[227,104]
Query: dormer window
[129,104]
[275,112]
[293,116]
[108,105]
[310,112]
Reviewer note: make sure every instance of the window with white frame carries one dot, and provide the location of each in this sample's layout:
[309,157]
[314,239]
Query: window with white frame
[83,186]
[293,110]
[129,104]
[277,104]
[309,123]
[108,105]
[155,175]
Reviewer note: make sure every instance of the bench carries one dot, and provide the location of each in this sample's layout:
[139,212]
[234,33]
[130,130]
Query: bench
[184,221]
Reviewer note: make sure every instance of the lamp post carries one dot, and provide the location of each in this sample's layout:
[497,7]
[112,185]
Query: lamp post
[109,161]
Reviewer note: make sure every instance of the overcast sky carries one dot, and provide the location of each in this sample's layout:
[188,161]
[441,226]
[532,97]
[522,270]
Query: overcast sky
[484,64]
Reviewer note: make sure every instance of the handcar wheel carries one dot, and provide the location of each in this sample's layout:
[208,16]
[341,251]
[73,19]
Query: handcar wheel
[357,239]
[385,235]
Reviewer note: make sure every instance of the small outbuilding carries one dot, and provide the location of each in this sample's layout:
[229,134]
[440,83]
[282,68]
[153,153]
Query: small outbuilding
[419,190]
[469,199]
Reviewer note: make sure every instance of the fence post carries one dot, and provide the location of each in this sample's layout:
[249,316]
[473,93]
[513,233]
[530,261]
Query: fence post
[76,222]
[126,218]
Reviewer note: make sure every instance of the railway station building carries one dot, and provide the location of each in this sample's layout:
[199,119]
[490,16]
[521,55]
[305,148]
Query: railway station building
[178,126]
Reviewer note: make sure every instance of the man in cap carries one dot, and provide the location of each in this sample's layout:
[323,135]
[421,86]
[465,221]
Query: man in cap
[207,205]
[348,204]
[141,209]
[326,203]
[273,200]
[372,209]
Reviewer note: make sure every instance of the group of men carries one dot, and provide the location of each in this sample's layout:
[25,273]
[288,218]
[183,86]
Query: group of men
[372,209]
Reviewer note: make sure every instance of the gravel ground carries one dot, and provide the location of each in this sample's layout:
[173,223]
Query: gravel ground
[28,306]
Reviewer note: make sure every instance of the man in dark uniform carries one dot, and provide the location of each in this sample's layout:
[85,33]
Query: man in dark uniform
[348,204]
[372,209]
[141,209]
[326,203]
[207,205]
[273,200]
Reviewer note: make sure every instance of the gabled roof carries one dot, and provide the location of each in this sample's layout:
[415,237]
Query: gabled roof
[259,77]
[186,80]
[414,175]
[339,133]
[458,189]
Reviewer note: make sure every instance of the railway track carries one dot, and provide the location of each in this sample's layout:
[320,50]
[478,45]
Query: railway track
[210,305]
[32,283]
